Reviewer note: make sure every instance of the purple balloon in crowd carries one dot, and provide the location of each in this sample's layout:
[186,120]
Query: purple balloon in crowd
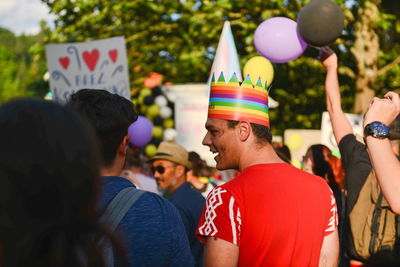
[141,131]
[278,40]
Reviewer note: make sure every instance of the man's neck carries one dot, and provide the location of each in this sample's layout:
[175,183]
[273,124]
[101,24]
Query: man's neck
[114,169]
[261,155]
[110,171]
[172,188]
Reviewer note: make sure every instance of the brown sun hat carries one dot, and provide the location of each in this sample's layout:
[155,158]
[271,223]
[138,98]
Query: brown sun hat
[174,153]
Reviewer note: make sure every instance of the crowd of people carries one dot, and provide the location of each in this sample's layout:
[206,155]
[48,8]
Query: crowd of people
[73,193]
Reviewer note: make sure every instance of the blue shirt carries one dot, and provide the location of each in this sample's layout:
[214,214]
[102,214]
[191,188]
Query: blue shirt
[152,230]
[190,203]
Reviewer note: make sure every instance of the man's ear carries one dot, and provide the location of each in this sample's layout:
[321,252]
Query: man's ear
[244,129]
[123,144]
[180,170]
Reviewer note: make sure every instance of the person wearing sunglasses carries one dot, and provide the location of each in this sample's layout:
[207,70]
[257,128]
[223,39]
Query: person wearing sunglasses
[169,166]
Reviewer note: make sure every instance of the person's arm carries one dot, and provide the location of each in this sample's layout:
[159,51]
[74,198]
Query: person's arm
[221,240]
[384,161]
[330,250]
[340,124]
[218,252]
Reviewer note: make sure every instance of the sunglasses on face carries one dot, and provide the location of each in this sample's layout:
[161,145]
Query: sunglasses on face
[159,169]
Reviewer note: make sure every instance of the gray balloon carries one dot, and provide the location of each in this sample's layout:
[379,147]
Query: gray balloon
[320,22]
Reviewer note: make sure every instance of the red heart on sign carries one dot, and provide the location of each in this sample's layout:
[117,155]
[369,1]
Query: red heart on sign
[113,55]
[91,58]
[64,61]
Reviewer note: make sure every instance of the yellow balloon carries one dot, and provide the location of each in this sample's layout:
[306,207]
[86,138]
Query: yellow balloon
[157,131]
[143,109]
[259,67]
[294,142]
[153,110]
[150,150]
[145,92]
[168,123]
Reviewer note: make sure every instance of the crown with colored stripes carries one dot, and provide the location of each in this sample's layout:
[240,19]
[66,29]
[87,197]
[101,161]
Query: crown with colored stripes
[234,101]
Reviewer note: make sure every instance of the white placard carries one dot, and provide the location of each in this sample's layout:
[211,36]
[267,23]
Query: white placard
[100,64]
[190,119]
[327,137]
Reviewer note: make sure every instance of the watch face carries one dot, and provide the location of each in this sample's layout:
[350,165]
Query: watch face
[379,129]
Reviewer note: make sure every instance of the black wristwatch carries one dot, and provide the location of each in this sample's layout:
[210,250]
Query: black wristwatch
[376,129]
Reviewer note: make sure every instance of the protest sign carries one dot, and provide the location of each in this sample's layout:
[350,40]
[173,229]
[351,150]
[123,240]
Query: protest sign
[100,64]
[327,137]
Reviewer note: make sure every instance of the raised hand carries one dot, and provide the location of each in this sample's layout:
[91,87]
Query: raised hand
[328,57]
[384,110]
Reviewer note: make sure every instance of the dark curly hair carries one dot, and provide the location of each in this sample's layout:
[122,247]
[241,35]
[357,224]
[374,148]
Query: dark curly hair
[109,114]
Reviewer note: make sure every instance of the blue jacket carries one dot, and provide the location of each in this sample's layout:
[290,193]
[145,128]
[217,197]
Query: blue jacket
[152,229]
[190,202]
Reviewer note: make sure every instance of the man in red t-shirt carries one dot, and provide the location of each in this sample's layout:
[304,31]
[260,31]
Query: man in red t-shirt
[272,214]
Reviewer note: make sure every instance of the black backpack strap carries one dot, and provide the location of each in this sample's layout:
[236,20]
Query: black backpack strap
[119,206]
[114,213]
[375,224]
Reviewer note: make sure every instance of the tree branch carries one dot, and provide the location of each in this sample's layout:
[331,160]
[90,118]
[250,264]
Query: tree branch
[388,66]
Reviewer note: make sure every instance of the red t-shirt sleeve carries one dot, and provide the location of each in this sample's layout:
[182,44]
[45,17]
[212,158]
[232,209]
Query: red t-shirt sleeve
[333,218]
[220,218]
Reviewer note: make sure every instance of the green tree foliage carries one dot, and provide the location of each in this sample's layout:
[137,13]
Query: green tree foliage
[9,86]
[21,70]
[178,39]
[371,37]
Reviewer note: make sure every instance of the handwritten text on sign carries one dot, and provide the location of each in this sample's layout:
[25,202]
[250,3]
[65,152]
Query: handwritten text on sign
[98,64]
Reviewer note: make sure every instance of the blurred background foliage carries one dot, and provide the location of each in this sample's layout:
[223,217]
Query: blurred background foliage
[178,39]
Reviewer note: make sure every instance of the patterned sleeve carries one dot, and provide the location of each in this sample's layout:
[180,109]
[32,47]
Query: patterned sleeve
[333,216]
[220,218]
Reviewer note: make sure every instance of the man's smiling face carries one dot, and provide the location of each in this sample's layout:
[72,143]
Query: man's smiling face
[222,140]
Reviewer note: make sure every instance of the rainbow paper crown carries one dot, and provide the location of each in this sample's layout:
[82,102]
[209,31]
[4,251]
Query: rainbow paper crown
[234,101]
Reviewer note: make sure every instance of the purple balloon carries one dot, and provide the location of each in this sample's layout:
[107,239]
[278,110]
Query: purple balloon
[278,40]
[141,131]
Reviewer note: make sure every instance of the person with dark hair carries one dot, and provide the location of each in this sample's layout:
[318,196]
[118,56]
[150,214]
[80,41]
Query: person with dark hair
[271,214]
[133,171]
[362,190]
[319,160]
[152,229]
[199,175]
[49,187]
[282,151]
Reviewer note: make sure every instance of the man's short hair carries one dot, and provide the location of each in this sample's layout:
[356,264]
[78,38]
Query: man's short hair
[109,114]
[261,132]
